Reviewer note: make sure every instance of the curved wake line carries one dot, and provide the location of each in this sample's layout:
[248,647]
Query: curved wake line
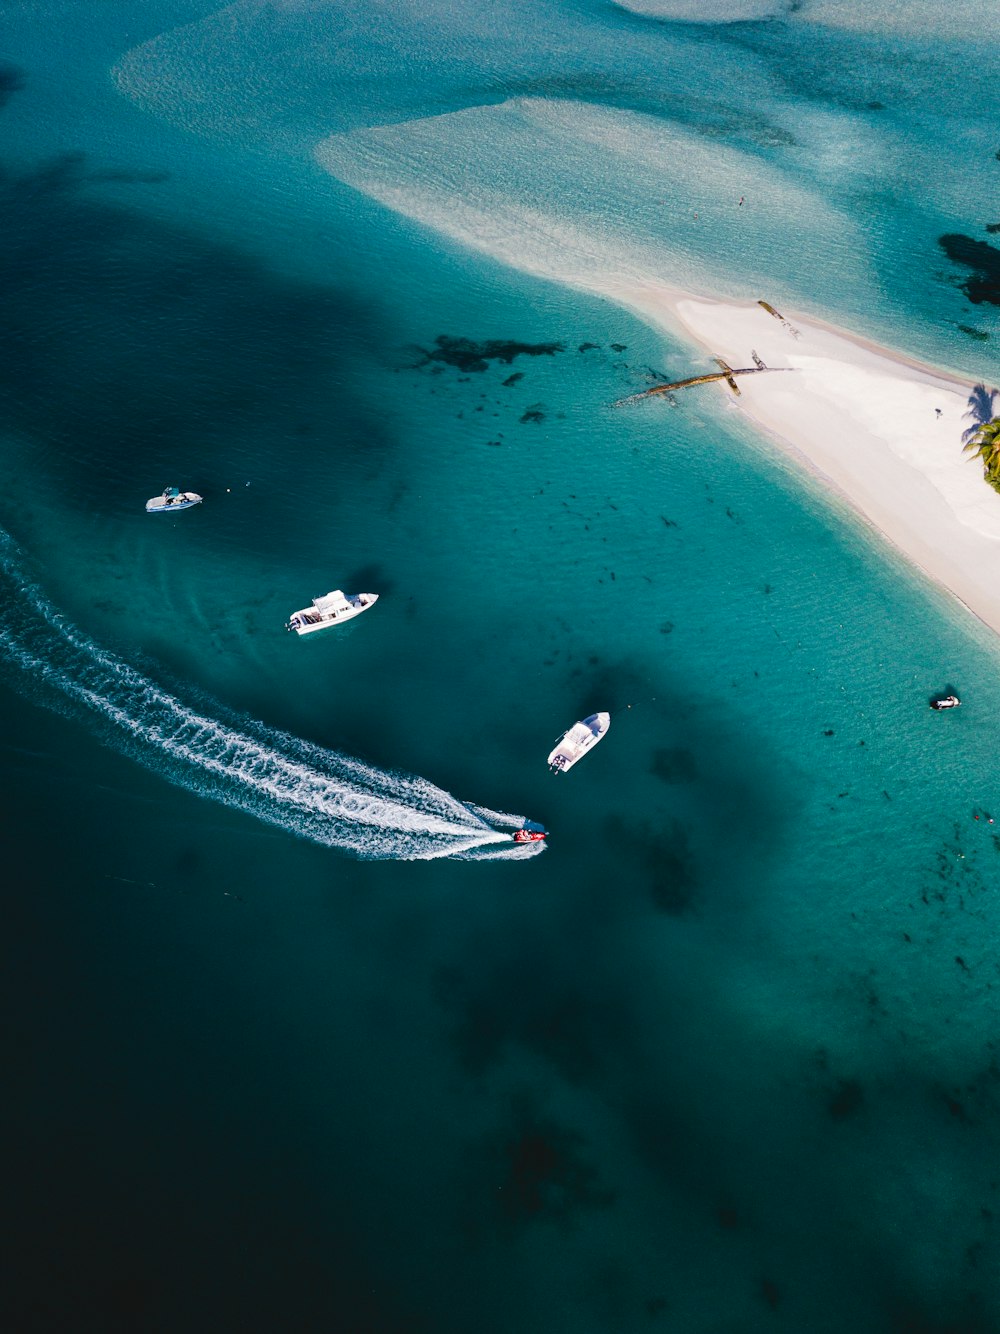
[314,793]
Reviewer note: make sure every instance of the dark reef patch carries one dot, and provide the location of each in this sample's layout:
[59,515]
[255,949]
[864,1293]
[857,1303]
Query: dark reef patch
[846,1100]
[513,379]
[665,858]
[555,1019]
[532,414]
[187,862]
[469,356]
[983,285]
[534,1170]
[369,578]
[980,335]
[674,765]
[11,81]
[769,1293]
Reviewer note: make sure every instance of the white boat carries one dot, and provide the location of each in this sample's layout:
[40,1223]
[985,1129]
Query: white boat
[575,743]
[945,702]
[333,609]
[172,499]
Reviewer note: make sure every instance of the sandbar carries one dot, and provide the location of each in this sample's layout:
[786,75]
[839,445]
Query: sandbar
[881,428]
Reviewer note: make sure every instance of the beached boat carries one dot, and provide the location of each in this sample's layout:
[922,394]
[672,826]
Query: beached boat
[333,609]
[575,743]
[945,702]
[172,499]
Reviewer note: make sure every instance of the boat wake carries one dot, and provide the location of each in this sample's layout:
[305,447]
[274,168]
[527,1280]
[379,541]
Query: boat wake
[315,793]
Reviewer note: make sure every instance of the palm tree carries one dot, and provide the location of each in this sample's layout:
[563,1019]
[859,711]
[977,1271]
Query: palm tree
[984,441]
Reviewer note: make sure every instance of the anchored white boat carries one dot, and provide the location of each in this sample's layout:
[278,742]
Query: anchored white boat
[945,702]
[172,499]
[575,743]
[333,609]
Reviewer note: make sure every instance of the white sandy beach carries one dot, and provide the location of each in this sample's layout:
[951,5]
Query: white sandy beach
[883,429]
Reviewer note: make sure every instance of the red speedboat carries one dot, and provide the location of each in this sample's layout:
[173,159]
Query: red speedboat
[529,835]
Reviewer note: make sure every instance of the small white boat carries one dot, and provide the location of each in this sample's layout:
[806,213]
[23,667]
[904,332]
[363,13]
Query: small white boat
[172,499]
[333,609]
[575,743]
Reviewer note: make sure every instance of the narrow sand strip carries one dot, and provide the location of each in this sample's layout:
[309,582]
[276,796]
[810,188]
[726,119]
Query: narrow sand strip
[884,430]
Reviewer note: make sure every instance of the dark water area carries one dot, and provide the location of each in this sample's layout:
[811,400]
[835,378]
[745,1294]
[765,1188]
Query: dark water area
[173,344]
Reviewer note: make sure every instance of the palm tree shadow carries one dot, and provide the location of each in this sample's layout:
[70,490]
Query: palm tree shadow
[981,409]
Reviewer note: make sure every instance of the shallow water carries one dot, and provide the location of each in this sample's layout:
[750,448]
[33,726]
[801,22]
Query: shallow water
[724,1054]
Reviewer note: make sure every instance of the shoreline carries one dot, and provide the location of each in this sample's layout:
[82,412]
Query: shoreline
[878,427]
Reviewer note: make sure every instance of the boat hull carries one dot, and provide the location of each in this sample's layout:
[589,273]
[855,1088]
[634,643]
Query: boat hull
[161,505]
[308,621]
[577,741]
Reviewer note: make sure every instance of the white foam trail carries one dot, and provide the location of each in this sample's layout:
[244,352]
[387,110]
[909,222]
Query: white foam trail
[314,793]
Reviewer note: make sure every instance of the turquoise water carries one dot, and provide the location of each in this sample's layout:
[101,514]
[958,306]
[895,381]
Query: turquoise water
[723,1055]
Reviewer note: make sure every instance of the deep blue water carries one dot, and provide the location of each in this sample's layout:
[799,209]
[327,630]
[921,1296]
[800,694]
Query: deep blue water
[723,1056]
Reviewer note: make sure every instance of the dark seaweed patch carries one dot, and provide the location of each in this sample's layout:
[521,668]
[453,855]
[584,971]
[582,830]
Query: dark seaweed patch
[769,1293]
[664,856]
[533,414]
[369,578]
[469,356]
[491,1013]
[187,861]
[11,82]
[993,227]
[846,1100]
[513,379]
[984,259]
[980,335]
[674,765]
[537,1171]
[588,347]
